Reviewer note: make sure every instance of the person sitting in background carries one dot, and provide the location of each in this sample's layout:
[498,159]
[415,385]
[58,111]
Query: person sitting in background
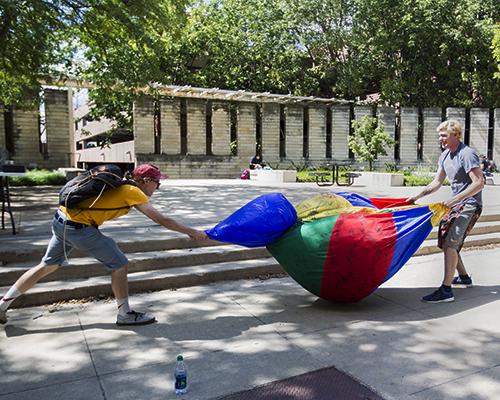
[256,162]
[485,165]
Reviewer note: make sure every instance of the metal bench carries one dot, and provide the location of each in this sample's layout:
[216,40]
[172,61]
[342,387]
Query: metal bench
[350,178]
[334,177]
[320,178]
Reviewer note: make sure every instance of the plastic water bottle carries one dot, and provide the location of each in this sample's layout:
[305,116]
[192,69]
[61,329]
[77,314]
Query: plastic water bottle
[180,376]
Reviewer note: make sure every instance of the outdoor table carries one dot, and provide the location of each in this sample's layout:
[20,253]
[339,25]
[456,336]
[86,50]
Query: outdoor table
[5,195]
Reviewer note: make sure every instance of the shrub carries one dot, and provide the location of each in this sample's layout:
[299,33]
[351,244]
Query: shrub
[38,177]
[420,180]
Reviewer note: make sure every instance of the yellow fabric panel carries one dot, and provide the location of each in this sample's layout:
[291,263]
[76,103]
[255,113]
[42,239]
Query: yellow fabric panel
[439,210]
[320,206]
[327,205]
[122,196]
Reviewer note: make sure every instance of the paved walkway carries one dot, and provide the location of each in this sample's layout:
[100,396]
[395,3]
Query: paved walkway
[238,335]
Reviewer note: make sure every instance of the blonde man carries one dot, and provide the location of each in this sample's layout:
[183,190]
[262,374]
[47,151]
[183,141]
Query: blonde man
[460,164]
[78,228]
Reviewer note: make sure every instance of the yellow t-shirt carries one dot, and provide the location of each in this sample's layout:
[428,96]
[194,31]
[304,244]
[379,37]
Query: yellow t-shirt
[125,196]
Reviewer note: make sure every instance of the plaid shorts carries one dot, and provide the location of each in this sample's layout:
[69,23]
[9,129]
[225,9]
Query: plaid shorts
[456,225]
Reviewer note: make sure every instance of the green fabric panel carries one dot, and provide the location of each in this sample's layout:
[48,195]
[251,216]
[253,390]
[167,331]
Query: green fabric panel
[302,251]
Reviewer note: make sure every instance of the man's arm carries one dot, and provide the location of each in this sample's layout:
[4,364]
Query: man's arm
[169,223]
[431,187]
[476,176]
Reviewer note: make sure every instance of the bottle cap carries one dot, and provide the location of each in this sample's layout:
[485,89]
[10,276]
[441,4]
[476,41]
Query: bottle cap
[180,358]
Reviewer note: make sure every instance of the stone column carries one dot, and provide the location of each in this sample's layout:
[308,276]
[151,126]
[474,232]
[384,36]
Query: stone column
[221,128]
[26,132]
[457,114]
[409,135]
[271,132]
[196,126]
[59,138]
[387,115]
[170,117]
[431,149]
[479,121]
[144,141]
[294,126]
[317,132]
[246,133]
[362,111]
[496,138]
[340,132]
[2,128]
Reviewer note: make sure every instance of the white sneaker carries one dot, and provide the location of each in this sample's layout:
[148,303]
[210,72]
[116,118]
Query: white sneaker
[3,317]
[135,318]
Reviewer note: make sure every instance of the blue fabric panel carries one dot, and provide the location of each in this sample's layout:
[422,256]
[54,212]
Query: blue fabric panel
[257,223]
[356,199]
[412,228]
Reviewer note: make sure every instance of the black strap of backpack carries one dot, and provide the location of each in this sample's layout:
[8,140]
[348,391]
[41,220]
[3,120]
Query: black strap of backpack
[126,182]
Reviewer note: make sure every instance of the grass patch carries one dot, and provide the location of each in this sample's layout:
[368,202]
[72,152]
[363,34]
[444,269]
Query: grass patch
[38,177]
[303,176]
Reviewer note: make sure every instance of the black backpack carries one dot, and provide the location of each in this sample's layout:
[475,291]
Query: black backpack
[91,184]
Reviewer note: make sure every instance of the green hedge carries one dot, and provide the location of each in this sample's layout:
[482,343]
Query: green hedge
[420,180]
[38,177]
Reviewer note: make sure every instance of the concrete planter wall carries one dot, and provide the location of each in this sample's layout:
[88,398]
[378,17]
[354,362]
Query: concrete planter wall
[273,176]
[380,179]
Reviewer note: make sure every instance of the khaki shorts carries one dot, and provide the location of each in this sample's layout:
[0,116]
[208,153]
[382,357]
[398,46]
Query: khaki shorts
[456,225]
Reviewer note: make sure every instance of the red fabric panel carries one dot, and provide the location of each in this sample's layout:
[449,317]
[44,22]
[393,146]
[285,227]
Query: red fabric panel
[385,202]
[359,255]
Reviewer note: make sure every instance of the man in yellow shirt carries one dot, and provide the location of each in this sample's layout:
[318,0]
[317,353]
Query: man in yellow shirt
[78,228]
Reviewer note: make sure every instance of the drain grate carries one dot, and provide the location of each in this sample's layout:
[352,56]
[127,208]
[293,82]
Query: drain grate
[324,384]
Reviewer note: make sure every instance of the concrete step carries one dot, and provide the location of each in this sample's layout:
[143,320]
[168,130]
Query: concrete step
[54,291]
[429,246]
[86,267]
[32,249]
[481,228]
[175,268]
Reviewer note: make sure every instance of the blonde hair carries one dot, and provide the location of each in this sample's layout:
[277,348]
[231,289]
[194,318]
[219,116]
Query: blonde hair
[451,126]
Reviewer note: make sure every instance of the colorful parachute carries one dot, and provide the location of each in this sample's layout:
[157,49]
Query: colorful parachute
[340,246]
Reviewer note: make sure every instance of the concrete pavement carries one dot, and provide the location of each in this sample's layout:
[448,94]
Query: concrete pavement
[238,335]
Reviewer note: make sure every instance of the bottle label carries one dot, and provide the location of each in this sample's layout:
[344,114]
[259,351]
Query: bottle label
[181,381]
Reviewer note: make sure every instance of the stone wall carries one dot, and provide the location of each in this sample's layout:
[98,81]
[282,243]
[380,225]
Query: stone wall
[60,138]
[246,135]
[431,149]
[221,128]
[271,132]
[294,133]
[317,133]
[305,122]
[412,150]
[340,131]
[408,136]
[144,125]
[495,151]
[478,138]
[196,127]
[388,117]
[2,127]
[170,117]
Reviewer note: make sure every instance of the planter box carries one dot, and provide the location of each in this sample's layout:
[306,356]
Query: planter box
[380,179]
[273,175]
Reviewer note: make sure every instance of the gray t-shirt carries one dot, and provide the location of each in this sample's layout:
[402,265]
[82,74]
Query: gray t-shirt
[457,167]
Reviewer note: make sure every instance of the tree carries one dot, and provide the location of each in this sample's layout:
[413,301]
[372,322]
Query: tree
[110,43]
[369,139]
[427,53]
[31,44]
